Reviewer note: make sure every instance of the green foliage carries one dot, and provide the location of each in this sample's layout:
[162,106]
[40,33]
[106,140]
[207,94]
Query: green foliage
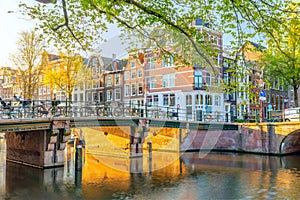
[64,73]
[283,55]
[79,24]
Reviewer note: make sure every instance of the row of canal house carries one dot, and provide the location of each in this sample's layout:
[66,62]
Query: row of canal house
[146,79]
[246,98]
[158,83]
[197,92]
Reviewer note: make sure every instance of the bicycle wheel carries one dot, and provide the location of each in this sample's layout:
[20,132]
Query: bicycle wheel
[100,112]
[117,112]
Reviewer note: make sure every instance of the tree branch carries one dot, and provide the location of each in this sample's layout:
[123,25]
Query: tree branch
[66,24]
[173,25]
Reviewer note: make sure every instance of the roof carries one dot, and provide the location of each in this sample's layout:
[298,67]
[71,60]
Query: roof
[109,64]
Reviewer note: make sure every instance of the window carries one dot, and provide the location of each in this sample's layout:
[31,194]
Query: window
[81,86]
[218,60]
[127,88]
[168,61]
[208,99]
[89,84]
[225,63]
[108,81]
[168,80]
[208,79]
[152,63]
[133,74]
[217,100]
[188,99]
[198,79]
[109,95]
[149,100]
[225,77]
[95,96]
[155,97]
[140,73]
[172,99]
[165,100]
[118,94]
[169,99]
[226,96]
[75,97]
[152,82]
[140,88]
[126,75]
[198,99]
[217,80]
[117,79]
[95,83]
[133,90]
[132,64]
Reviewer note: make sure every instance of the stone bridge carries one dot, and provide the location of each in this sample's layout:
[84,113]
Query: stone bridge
[41,142]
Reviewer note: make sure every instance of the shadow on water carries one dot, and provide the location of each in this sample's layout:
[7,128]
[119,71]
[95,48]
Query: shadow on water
[33,183]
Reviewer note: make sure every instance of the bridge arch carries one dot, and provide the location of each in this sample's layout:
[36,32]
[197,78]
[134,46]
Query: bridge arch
[290,143]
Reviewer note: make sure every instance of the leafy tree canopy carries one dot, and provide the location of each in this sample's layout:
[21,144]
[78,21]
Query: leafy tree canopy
[78,24]
[63,72]
[282,58]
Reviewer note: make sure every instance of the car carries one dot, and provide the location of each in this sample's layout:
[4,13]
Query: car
[292,114]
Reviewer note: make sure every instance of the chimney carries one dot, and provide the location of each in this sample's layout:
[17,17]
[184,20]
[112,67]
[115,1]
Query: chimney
[114,62]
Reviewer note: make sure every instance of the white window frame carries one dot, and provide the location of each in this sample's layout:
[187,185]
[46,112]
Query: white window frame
[117,94]
[126,90]
[168,80]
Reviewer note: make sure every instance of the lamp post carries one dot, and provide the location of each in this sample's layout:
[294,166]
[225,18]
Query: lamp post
[262,97]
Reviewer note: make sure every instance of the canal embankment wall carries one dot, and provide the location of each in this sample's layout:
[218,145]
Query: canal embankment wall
[263,138]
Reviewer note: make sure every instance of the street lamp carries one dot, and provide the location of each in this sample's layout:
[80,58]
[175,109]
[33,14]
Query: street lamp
[262,97]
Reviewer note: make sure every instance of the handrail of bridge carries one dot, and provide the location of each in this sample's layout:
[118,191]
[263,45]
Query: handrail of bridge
[55,108]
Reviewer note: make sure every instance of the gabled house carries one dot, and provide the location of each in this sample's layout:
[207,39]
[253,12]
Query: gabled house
[248,92]
[106,80]
[229,81]
[134,80]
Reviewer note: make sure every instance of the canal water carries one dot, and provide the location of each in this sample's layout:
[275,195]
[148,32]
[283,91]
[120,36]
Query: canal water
[165,176]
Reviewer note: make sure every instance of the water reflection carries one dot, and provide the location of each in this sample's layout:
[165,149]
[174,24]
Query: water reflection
[193,176]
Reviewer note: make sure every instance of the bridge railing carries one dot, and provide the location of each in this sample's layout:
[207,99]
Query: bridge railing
[55,108]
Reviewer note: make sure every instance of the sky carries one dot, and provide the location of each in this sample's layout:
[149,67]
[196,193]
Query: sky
[11,25]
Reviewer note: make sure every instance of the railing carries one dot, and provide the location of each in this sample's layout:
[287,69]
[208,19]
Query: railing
[48,108]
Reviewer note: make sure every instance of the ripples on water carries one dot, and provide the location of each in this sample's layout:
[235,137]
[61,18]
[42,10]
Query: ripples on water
[215,176]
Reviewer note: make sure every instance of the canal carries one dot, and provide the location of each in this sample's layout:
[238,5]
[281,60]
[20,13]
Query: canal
[165,176]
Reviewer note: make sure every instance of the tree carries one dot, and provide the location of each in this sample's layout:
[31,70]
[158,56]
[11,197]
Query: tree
[28,60]
[62,73]
[282,58]
[76,24]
